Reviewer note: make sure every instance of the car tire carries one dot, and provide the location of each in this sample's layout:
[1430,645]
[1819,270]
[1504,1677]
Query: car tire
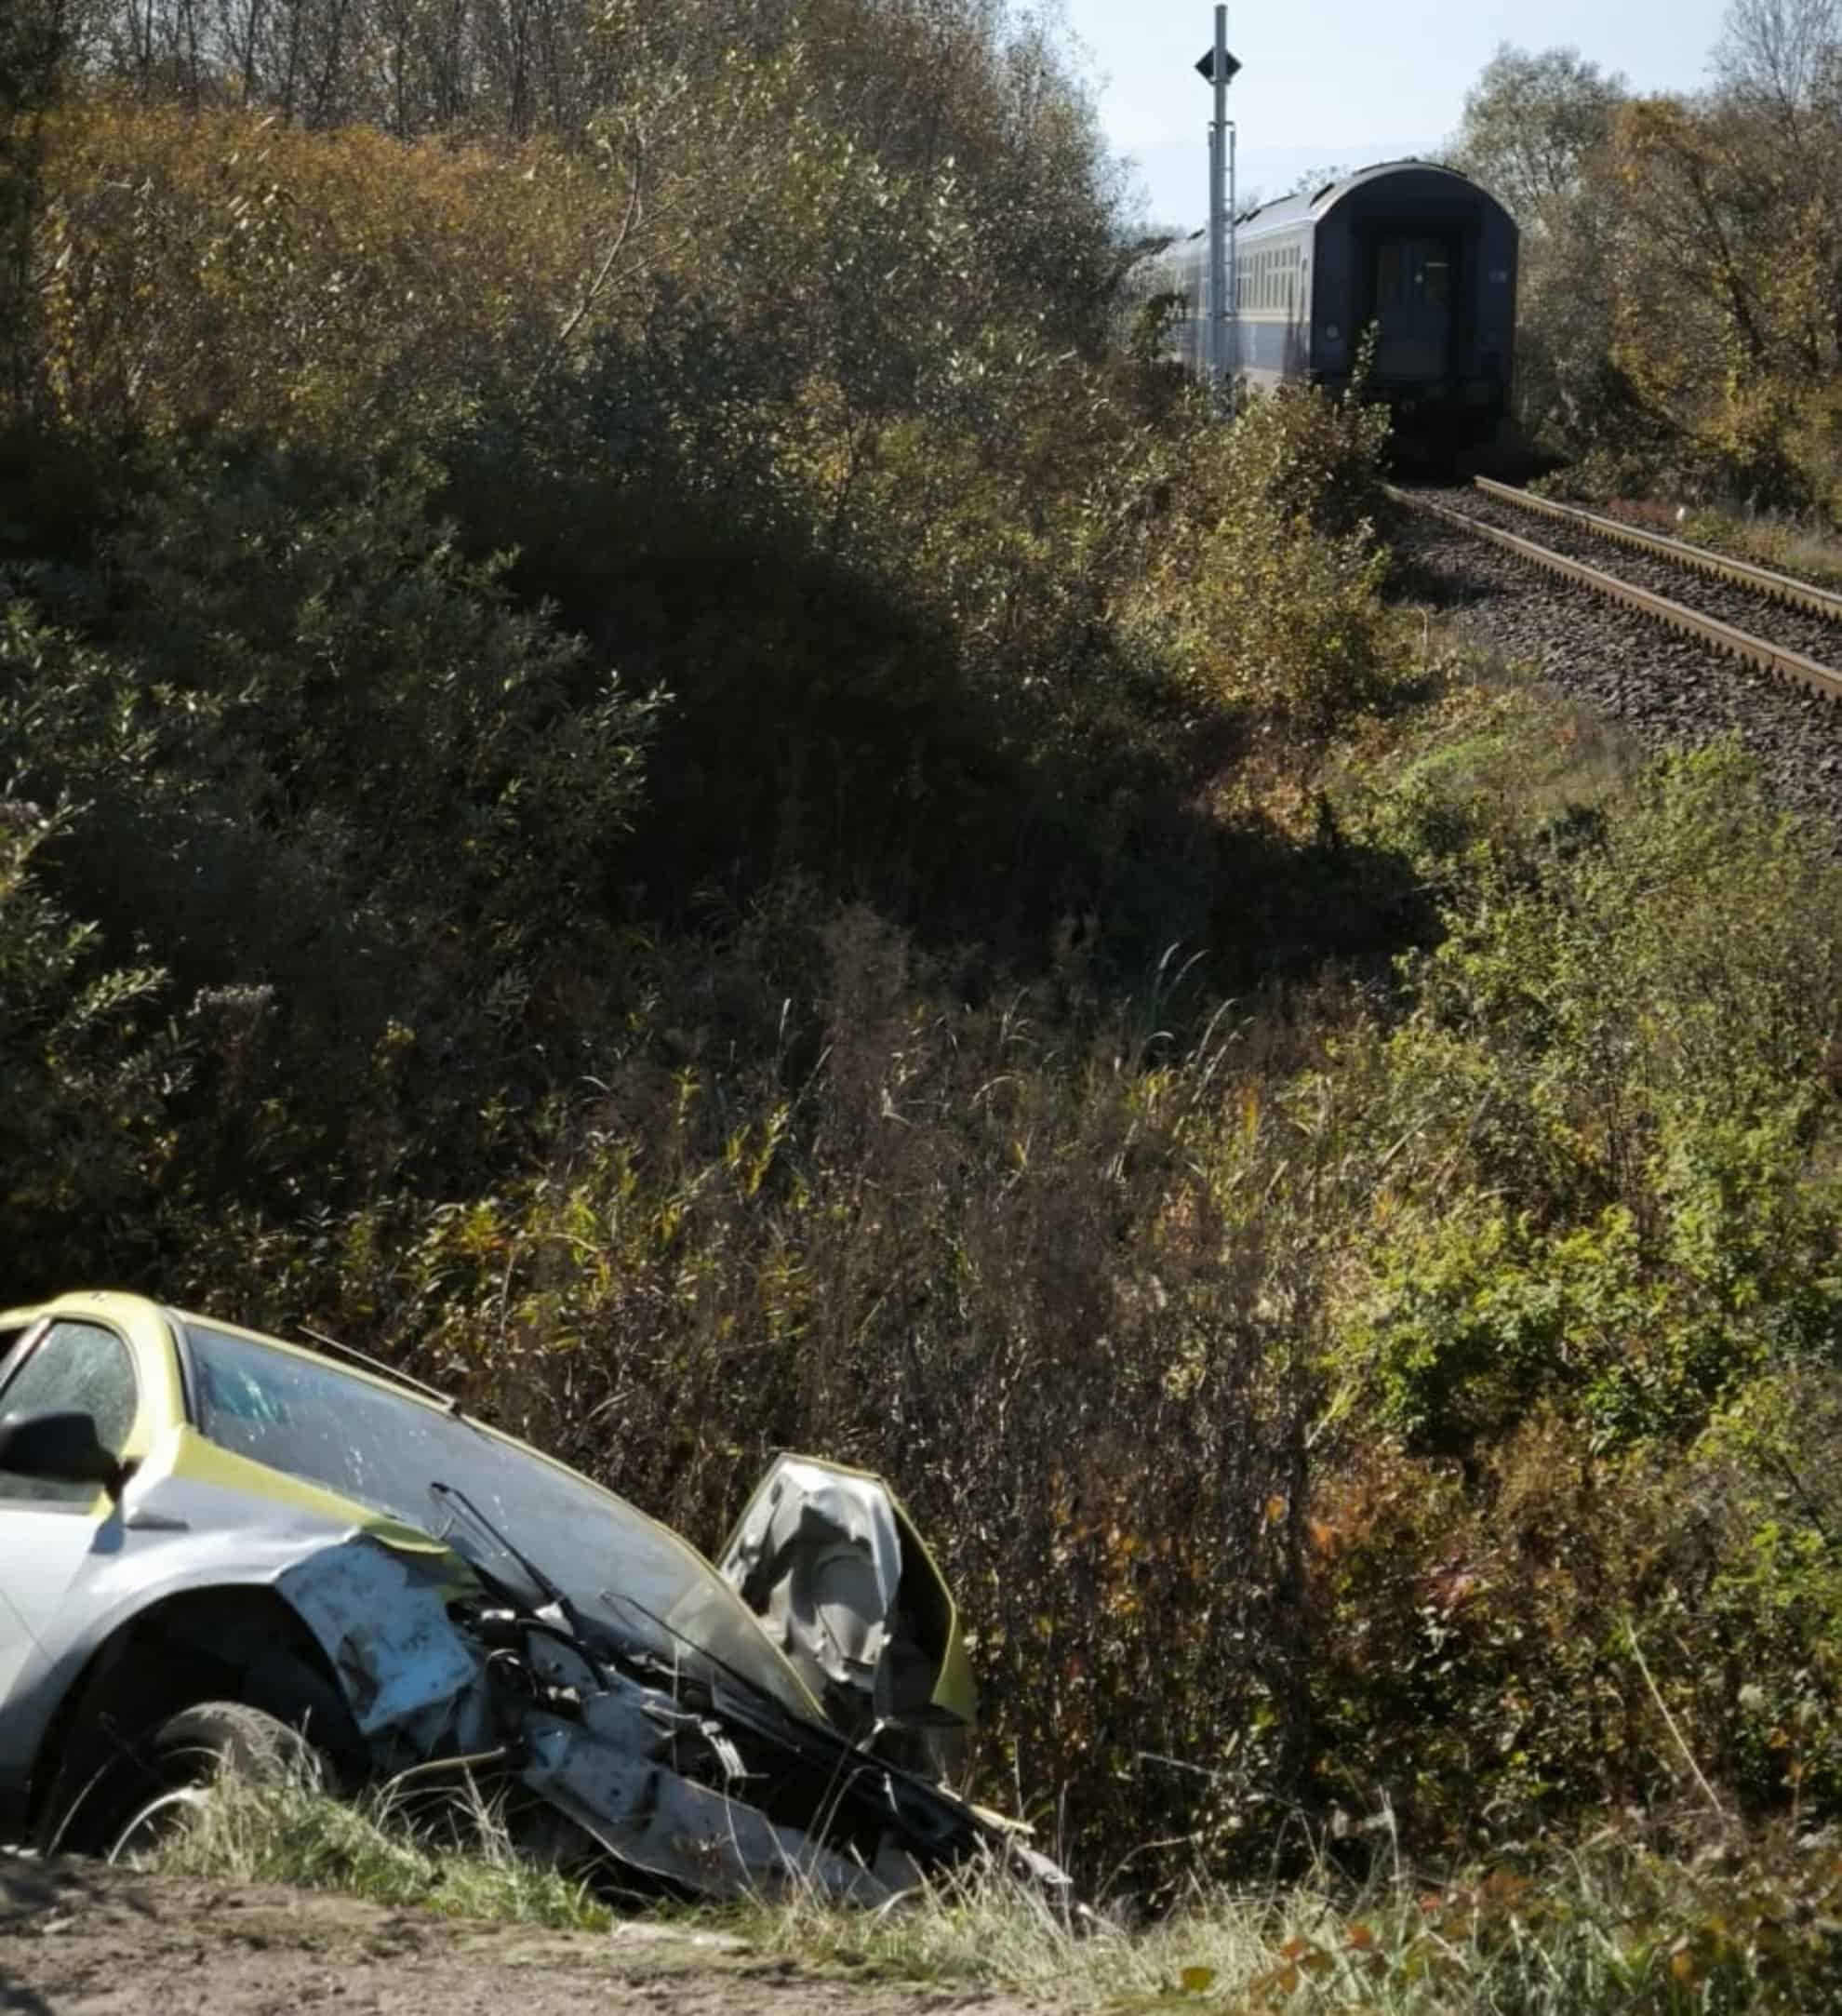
[168,1774]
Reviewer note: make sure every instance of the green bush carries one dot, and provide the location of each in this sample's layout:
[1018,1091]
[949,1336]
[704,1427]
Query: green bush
[1626,1045]
[363,817]
[92,1059]
[1593,1330]
[1266,584]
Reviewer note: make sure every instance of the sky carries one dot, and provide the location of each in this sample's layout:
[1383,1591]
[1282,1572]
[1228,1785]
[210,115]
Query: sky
[1344,82]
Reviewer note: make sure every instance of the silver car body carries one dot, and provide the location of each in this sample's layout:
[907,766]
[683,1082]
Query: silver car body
[303,1535]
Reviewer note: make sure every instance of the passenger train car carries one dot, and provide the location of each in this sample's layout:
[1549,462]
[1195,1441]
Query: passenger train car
[1419,251]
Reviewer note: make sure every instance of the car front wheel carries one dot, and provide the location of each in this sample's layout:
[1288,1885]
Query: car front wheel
[169,1775]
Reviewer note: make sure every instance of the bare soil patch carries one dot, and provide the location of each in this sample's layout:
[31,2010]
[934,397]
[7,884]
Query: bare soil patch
[83,1940]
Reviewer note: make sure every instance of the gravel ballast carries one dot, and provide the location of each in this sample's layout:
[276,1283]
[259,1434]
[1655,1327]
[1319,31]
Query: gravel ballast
[1727,602]
[1668,690]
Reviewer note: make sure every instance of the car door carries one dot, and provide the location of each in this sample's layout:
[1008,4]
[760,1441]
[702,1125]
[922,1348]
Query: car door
[48,1530]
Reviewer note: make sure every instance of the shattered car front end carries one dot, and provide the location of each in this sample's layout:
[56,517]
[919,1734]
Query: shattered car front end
[425,1596]
[677,1768]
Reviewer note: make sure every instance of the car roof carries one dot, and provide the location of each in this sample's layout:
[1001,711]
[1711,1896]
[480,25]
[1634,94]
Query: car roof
[123,1304]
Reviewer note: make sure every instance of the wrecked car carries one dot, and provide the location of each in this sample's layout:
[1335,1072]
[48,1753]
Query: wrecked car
[214,1544]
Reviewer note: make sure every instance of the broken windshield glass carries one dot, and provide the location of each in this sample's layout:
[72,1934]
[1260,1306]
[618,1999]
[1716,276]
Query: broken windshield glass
[386,1449]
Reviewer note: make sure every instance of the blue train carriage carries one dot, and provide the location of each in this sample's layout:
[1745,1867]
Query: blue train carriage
[1419,251]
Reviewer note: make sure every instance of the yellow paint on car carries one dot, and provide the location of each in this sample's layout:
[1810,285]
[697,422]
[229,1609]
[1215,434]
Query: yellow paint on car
[204,1462]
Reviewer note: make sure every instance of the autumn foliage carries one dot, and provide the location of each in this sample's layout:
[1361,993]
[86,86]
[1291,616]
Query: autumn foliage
[1682,293]
[639,768]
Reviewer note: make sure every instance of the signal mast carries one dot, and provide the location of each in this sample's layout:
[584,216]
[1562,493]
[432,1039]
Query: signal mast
[1218,65]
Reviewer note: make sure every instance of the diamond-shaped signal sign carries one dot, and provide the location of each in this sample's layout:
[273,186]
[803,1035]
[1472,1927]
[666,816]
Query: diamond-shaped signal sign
[1206,66]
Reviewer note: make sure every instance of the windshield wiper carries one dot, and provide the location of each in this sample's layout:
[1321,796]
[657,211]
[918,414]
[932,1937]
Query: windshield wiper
[557,1596]
[785,1723]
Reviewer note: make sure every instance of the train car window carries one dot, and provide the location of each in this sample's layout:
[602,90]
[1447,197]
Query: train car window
[1413,274]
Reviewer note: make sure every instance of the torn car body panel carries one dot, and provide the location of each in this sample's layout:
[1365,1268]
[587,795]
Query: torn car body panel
[653,1819]
[603,1755]
[829,1561]
[399,1661]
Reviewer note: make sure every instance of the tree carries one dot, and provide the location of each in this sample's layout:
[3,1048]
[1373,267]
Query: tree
[1732,203]
[1537,132]
[38,40]
[1778,101]
[1782,56]
[1534,125]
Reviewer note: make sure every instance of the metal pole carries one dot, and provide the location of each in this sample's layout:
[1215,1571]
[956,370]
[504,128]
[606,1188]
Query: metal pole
[1218,276]
[1234,269]
[1211,342]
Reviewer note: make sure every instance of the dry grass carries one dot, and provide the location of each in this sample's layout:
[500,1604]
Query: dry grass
[1608,1930]
[1805,549]
[294,1832]
[1792,546]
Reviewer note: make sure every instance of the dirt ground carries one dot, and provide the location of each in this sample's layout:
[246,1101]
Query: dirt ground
[81,1940]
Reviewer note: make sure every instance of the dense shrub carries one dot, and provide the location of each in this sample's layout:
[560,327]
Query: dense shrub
[90,1061]
[362,971]
[1638,1084]
[217,269]
[1273,575]
[1586,1558]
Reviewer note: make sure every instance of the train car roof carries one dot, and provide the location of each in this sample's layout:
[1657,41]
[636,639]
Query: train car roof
[1305,206]
[1318,202]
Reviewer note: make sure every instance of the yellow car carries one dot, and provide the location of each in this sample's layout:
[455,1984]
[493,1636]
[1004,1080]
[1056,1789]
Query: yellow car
[215,1545]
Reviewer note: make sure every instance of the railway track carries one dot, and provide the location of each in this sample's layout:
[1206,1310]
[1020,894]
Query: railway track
[1667,682]
[1694,591]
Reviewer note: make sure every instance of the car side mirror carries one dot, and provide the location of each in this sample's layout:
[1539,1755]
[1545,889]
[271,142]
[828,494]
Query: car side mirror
[60,1449]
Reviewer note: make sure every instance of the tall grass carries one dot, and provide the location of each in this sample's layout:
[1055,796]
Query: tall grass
[293,1831]
[1603,1931]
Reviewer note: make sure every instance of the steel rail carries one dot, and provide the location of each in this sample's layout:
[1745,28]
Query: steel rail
[1770,657]
[1779,587]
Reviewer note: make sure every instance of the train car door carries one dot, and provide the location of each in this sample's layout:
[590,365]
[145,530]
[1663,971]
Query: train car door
[1413,307]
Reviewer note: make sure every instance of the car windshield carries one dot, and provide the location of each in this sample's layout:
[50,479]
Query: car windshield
[386,1449]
